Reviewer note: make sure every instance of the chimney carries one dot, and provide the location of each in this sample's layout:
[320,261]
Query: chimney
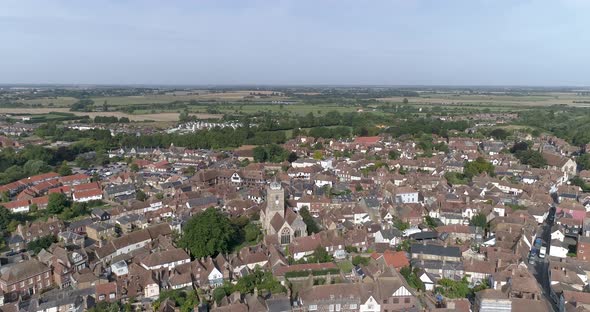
[510,230]
[499,263]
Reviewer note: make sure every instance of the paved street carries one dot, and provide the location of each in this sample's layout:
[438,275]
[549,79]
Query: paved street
[540,268]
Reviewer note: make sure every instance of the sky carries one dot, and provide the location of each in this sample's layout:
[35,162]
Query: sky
[296,42]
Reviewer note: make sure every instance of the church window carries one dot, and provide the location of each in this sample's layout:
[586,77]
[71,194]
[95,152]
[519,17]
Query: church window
[285,236]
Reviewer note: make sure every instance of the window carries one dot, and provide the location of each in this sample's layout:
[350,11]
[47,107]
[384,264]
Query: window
[38,278]
[385,301]
[338,307]
[406,300]
[22,284]
[313,307]
[353,306]
[285,236]
[395,300]
[331,308]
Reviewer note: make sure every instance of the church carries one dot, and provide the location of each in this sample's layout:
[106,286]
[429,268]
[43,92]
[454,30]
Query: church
[278,220]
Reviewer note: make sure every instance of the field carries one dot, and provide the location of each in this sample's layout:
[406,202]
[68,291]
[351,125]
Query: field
[133,117]
[538,99]
[205,104]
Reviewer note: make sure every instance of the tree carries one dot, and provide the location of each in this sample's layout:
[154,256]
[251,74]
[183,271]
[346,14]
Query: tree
[584,161]
[41,243]
[412,278]
[5,218]
[499,134]
[252,232]
[56,203]
[312,226]
[189,171]
[64,169]
[260,154]
[292,157]
[5,196]
[134,167]
[480,165]
[140,195]
[479,220]
[320,255]
[207,234]
[393,155]
[405,101]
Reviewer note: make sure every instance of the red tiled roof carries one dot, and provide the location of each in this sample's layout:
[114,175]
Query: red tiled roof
[88,193]
[16,204]
[366,140]
[86,186]
[74,177]
[396,259]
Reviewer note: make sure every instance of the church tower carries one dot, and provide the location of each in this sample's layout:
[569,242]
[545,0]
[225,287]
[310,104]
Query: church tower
[275,203]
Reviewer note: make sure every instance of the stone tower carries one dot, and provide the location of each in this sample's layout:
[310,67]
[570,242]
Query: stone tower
[275,203]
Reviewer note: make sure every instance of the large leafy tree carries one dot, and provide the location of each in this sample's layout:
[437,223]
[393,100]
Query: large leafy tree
[56,203]
[207,234]
[480,165]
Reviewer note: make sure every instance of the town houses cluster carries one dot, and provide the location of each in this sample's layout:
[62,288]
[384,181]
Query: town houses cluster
[398,232]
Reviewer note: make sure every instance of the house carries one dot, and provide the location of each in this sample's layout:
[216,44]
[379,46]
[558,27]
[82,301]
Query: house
[132,241]
[106,292]
[391,236]
[27,277]
[435,252]
[558,162]
[100,231]
[388,292]
[558,249]
[583,253]
[406,195]
[17,206]
[87,195]
[74,179]
[165,259]
[119,190]
[100,214]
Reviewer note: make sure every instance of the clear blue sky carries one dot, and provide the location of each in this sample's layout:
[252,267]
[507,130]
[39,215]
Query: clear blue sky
[395,42]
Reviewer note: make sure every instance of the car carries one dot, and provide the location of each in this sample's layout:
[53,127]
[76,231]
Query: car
[542,252]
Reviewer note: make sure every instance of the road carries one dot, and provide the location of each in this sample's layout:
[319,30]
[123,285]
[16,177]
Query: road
[541,266]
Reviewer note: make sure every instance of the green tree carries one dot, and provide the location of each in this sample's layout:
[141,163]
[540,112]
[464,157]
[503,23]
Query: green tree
[260,154]
[479,220]
[499,134]
[312,226]
[57,202]
[64,169]
[480,165]
[320,255]
[207,234]
[412,278]
[134,167]
[252,232]
[393,154]
[141,195]
[584,161]
[292,157]
[189,171]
